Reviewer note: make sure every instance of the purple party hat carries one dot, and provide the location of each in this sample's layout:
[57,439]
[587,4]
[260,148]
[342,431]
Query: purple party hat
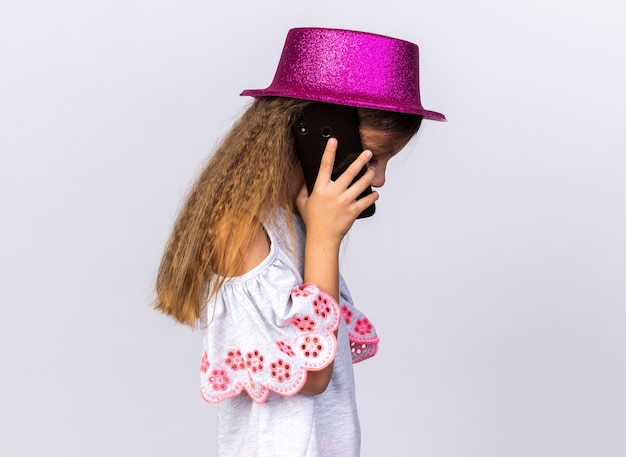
[349,68]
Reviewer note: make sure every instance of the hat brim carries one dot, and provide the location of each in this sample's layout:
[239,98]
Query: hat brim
[343,100]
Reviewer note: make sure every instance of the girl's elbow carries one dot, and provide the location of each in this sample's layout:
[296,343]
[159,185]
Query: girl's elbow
[317,381]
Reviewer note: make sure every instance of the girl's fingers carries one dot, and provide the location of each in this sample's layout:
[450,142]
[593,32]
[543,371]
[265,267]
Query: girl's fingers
[355,168]
[365,202]
[328,161]
[346,182]
[355,187]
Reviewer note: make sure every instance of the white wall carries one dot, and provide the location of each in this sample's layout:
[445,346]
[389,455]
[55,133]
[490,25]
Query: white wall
[494,268]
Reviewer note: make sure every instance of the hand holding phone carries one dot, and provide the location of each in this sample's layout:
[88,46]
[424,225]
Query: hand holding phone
[311,130]
[332,207]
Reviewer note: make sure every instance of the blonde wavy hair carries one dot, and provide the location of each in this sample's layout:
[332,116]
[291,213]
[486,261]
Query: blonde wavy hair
[250,174]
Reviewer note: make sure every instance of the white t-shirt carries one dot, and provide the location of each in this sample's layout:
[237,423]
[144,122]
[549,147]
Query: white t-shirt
[263,332]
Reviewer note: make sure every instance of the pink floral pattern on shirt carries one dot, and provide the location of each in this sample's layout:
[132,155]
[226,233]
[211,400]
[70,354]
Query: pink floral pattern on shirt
[302,340]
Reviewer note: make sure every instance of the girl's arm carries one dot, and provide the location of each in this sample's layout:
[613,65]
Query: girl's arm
[328,214]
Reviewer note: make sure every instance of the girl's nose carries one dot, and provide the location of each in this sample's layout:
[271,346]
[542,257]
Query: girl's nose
[379,176]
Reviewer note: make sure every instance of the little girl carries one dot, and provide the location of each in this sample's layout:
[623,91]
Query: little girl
[254,258]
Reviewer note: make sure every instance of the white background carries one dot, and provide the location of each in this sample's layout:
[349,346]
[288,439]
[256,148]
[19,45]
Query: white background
[494,268]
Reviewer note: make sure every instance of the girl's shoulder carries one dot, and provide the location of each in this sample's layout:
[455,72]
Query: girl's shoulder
[276,248]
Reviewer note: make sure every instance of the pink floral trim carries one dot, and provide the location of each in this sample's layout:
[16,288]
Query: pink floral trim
[286,348]
[322,304]
[347,314]
[307,343]
[362,335]
[304,323]
[204,364]
[219,380]
[254,361]
[362,351]
[280,370]
[363,326]
[312,346]
[300,293]
[235,361]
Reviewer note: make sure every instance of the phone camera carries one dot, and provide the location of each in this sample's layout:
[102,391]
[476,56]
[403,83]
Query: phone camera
[301,125]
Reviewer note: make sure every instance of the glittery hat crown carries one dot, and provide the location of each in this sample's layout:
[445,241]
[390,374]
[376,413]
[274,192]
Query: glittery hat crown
[349,68]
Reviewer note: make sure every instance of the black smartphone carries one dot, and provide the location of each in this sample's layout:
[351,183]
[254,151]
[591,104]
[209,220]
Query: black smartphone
[313,126]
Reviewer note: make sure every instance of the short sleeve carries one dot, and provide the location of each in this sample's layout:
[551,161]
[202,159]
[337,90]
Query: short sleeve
[264,332]
[361,332]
